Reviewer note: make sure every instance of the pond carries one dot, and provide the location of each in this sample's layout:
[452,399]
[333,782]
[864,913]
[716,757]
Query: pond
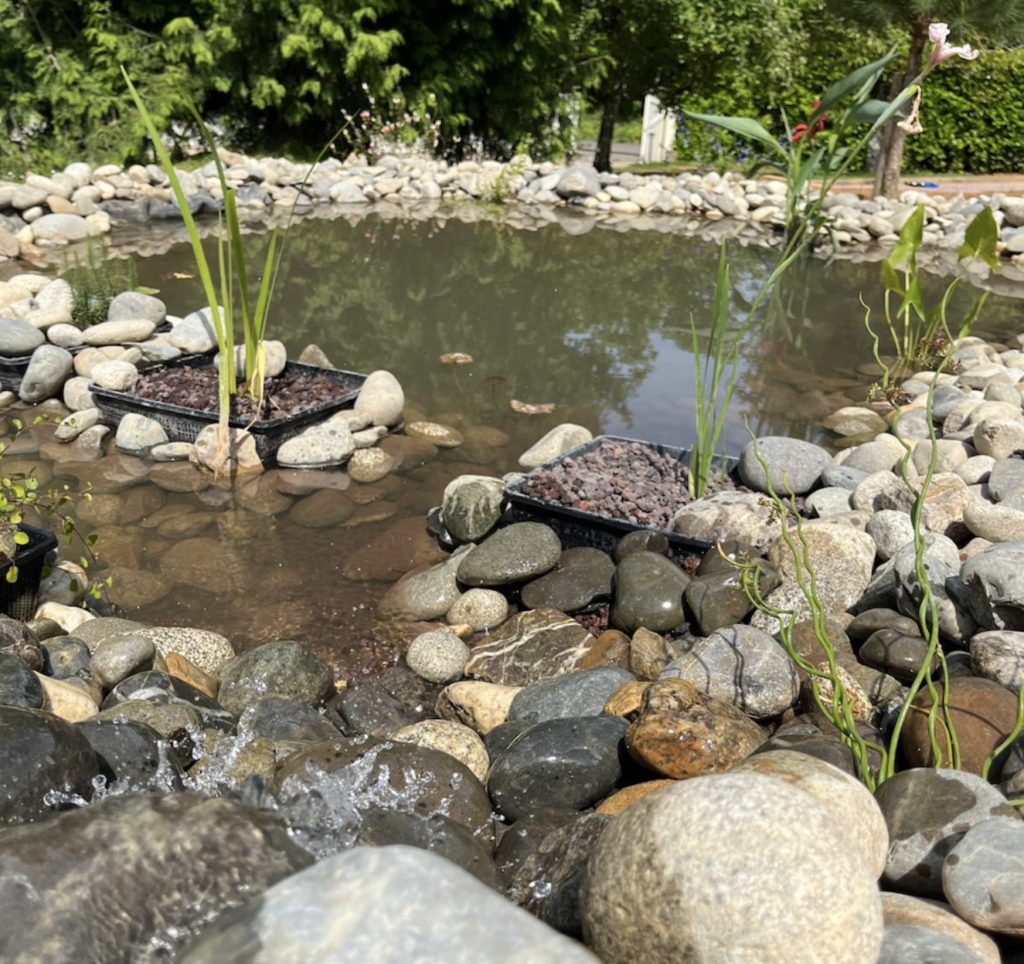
[596,324]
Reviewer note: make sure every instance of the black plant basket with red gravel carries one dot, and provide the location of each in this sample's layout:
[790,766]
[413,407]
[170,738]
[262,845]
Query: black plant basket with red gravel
[18,598]
[183,423]
[609,487]
[12,371]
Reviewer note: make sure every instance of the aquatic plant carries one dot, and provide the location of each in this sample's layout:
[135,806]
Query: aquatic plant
[96,281]
[22,498]
[826,144]
[235,281]
[913,327]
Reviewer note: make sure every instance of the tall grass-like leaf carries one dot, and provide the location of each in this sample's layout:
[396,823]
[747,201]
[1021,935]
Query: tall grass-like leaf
[222,327]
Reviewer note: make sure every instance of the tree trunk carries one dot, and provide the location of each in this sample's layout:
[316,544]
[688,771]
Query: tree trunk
[609,113]
[890,161]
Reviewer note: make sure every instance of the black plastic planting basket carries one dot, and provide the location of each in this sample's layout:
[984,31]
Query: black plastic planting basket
[184,424]
[12,371]
[576,527]
[18,598]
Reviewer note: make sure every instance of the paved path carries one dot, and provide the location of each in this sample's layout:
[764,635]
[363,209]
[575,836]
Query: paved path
[970,185]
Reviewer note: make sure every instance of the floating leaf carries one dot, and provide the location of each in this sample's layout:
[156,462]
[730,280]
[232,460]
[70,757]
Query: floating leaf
[456,358]
[525,408]
[495,380]
[143,290]
[181,275]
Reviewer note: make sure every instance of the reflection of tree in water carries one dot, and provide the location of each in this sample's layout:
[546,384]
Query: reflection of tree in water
[563,318]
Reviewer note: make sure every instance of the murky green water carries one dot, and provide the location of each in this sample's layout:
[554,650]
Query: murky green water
[597,324]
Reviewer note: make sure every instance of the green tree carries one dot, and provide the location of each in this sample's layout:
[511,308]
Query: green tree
[679,48]
[979,21]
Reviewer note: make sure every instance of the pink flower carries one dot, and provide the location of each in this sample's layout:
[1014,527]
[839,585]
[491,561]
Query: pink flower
[938,34]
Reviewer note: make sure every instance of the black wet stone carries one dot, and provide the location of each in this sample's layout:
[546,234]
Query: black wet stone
[643,540]
[65,657]
[897,654]
[872,620]
[369,708]
[582,577]
[40,753]
[526,835]
[362,769]
[111,882]
[290,722]
[437,833]
[517,553]
[162,689]
[568,763]
[548,882]
[725,556]
[497,741]
[649,593]
[44,628]
[282,669]
[132,756]
[18,639]
[18,684]
[813,742]
[583,693]
[718,599]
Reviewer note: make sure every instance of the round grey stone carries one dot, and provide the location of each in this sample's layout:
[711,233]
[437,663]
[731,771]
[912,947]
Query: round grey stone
[583,693]
[438,656]
[906,944]
[983,876]
[685,846]
[791,462]
[994,581]
[891,530]
[123,656]
[513,554]
[134,305]
[479,608]
[46,372]
[19,337]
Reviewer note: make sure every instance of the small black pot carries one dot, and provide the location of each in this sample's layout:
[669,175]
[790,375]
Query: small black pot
[18,598]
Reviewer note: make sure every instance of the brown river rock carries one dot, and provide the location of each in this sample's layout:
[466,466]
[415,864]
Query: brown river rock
[983,714]
[681,733]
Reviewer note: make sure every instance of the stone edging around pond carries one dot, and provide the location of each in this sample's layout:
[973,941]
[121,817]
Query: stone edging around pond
[45,214]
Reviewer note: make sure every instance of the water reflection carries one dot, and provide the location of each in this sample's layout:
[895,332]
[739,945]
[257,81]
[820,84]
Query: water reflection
[598,324]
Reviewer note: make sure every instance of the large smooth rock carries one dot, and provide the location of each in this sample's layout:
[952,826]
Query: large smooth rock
[53,227]
[46,373]
[999,656]
[381,398]
[841,558]
[389,905]
[983,876]
[660,886]
[742,516]
[682,733]
[582,576]
[792,464]
[132,756]
[994,580]
[530,647]
[983,713]
[282,670]
[138,435]
[743,666]
[19,337]
[514,554]
[40,753]
[134,305]
[942,568]
[195,333]
[648,593]
[583,693]
[118,332]
[855,811]
[561,439]
[367,772]
[422,595]
[578,181]
[18,684]
[902,909]
[570,763]
[903,944]
[181,860]
[472,506]
[329,443]
[927,812]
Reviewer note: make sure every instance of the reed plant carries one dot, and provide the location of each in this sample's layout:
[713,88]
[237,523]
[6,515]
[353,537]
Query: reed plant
[230,300]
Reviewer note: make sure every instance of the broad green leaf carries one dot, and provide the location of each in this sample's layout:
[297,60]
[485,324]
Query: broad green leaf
[870,111]
[981,239]
[914,297]
[12,574]
[21,538]
[910,240]
[861,78]
[890,279]
[743,126]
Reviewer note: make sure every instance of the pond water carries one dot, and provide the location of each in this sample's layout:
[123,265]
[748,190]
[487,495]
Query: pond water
[597,324]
